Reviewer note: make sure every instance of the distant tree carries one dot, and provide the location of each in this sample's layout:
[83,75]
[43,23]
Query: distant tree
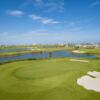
[76,47]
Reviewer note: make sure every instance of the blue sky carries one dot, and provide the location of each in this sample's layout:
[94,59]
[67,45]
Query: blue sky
[49,21]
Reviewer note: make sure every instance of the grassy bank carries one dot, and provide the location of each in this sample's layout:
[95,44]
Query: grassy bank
[17,53]
[34,50]
[91,51]
[51,79]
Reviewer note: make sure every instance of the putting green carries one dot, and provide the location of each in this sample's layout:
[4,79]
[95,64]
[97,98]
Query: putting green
[53,79]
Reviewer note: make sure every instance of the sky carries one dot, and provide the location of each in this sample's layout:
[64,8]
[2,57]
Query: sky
[49,21]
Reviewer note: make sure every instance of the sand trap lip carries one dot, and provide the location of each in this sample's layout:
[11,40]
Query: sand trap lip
[90,81]
[78,51]
[78,60]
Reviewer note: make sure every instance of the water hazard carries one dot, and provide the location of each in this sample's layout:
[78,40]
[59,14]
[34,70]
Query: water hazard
[55,54]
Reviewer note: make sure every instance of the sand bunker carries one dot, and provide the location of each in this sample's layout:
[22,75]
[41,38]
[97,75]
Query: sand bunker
[78,51]
[79,60]
[90,81]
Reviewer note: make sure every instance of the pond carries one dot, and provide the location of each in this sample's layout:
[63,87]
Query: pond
[55,54]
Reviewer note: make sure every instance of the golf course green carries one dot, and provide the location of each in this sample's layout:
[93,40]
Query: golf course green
[48,79]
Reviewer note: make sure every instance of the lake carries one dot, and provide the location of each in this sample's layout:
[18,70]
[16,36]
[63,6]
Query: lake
[55,54]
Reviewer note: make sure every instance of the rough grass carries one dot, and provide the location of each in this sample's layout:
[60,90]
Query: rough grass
[53,79]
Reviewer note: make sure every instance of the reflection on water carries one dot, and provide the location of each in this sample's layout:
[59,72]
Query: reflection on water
[56,54]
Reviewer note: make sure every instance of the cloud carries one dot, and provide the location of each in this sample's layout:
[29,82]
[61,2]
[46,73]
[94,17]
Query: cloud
[43,20]
[35,17]
[16,13]
[38,2]
[93,4]
[46,5]
[54,5]
[49,21]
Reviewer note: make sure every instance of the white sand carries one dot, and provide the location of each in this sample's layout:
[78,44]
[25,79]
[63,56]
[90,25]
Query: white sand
[89,82]
[78,60]
[78,51]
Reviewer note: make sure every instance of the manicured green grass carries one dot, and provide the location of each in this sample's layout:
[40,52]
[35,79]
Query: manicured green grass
[92,50]
[51,79]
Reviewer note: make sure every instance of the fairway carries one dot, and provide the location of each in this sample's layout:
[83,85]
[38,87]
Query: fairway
[49,79]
